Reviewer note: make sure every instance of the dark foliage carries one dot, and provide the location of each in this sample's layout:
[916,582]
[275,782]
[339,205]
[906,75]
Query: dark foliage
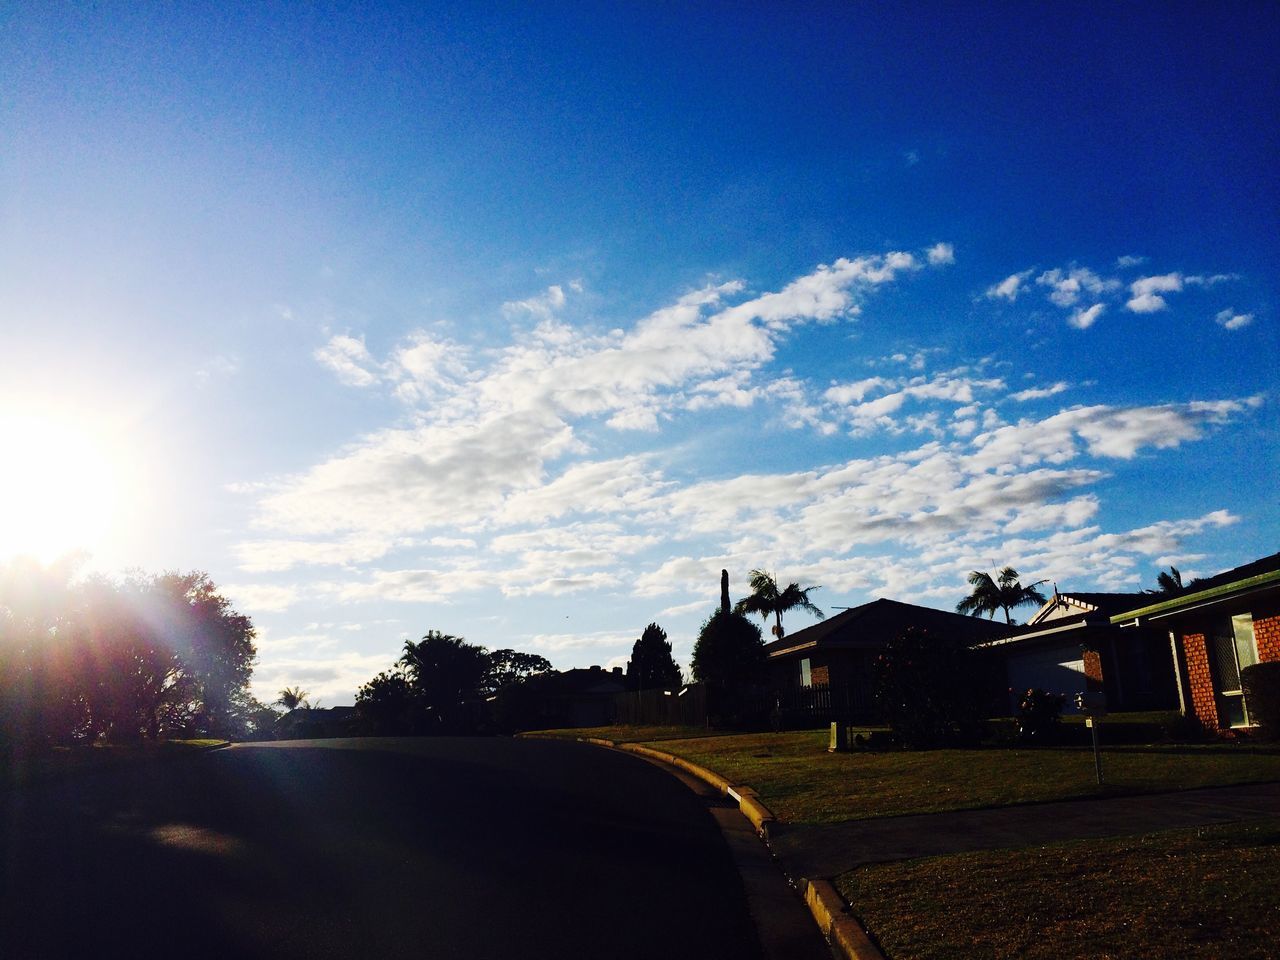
[928,691]
[1038,717]
[729,658]
[507,667]
[652,667]
[443,685]
[1261,683]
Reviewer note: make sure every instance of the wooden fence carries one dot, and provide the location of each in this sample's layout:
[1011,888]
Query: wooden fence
[788,708]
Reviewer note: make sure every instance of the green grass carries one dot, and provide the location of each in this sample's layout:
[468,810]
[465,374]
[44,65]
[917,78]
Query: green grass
[626,734]
[1206,892]
[802,783]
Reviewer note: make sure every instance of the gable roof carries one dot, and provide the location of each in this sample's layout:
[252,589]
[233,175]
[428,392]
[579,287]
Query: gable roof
[1083,604]
[879,621]
[1261,574]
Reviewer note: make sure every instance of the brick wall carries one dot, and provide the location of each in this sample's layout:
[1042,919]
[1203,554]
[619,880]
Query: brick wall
[1093,670]
[1266,633]
[1201,680]
[820,675]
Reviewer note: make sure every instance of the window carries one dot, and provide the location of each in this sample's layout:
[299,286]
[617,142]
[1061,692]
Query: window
[1232,649]
[806,673]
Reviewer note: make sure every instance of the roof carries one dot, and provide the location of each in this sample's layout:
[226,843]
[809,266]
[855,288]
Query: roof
[879,621]
[579,680]
[1088,603]
[1247,578]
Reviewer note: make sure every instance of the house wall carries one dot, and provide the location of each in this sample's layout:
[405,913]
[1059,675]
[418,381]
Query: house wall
[1266,637]
[1200,679]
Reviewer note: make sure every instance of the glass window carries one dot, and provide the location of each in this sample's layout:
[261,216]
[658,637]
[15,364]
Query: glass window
[806,673]
[1233,649]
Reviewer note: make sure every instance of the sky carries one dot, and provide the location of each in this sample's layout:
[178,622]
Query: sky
[522,321]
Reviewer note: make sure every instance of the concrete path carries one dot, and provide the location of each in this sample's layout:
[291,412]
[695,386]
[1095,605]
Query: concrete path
[814,851]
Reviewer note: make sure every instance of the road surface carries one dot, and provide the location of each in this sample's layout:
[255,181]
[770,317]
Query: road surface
[425,848]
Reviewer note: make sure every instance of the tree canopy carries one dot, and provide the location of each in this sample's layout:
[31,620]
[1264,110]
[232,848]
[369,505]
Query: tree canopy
[92,659]
[769,600]
[652,667]
[1005,593]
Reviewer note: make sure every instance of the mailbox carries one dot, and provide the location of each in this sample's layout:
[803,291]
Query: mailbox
[1092,704]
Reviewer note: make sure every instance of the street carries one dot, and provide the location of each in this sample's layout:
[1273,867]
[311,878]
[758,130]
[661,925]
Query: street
[435,848]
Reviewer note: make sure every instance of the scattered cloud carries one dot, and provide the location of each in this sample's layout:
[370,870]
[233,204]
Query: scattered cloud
[1126,261]
[1010,287]
[1146,292]
[1231,320]
[1039,393]
[941,254]
[349,359]
[1067,286]
[1083,319]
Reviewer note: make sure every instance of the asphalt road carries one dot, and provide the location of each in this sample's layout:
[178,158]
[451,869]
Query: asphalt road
[428,848]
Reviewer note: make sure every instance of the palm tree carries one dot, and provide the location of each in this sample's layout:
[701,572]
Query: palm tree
[1168,583]
[291,698]
[767,599]
[1003,593]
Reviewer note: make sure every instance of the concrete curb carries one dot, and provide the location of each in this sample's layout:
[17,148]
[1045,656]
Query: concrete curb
[845,933]
[820,896]
[749,805]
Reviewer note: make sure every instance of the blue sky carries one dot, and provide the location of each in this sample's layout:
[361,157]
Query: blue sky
[521,323]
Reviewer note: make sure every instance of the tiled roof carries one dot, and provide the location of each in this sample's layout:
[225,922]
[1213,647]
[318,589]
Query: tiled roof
[882,620]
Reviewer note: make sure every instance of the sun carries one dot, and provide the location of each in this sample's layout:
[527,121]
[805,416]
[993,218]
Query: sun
[58,486]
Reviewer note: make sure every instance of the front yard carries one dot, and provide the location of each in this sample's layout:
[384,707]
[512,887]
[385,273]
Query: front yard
[1206,892]
[802,783]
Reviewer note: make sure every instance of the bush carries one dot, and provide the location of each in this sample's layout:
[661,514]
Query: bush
[1261,684]
[1038,716]
[928,690]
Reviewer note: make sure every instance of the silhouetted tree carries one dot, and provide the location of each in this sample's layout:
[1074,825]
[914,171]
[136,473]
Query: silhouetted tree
[767,599]
[506,667]
[448,674]
[390,705]
[729,658]
[1005,593]
[291,698]
[652,667]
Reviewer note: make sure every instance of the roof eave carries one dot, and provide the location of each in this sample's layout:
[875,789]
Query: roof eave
[1200,598]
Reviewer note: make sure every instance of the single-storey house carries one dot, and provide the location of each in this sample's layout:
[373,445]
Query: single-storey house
[839,653]
[1216,628]
[581,697]
[1070,646]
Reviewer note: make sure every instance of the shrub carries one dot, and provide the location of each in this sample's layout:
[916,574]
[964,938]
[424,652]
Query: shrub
[928,691]
[1261,684]
[1038,716]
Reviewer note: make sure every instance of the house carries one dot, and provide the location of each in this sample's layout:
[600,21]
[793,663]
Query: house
[839,653]
[581,697]
[1070,646]
[1216,628]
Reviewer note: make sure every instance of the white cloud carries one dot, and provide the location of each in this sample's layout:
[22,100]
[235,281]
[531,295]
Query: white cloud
[1146,292]
[1233,321]
[1010,287]
[1128,260]
[349,359]
[941,254]
[1084,319]
[1067,286]
[252,599]
[543,307]
[1039,393]
[218,367]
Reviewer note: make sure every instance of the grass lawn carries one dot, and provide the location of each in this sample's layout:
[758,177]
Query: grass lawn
[622,734]
[65,760]
[1206,892]
[801,782]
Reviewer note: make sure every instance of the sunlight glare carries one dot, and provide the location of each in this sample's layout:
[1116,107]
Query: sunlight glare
[58,486]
